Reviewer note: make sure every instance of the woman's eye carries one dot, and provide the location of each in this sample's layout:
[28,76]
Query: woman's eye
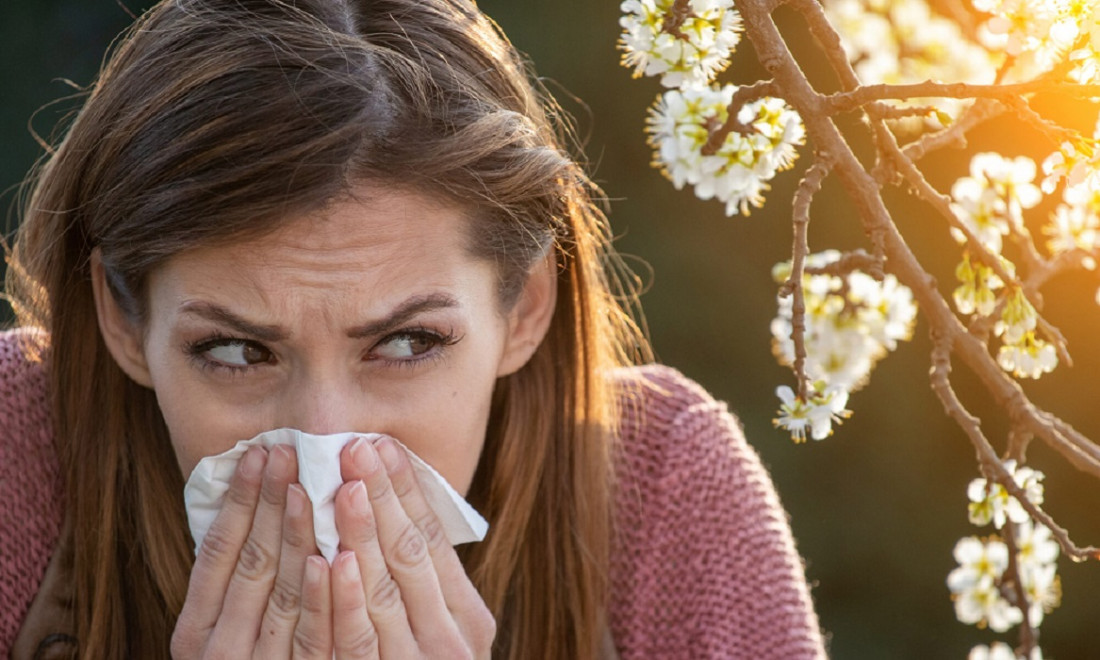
[239,353]
[404,346]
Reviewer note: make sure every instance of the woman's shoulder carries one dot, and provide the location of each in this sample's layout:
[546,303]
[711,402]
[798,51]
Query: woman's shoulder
[22,376]
[671,421]
[30,479]
[704,564]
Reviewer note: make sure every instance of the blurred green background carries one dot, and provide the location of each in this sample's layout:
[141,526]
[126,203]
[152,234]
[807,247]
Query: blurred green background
[877,508]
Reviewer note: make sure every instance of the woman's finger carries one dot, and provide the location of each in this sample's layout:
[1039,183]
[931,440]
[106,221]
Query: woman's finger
[354,637]
[461,597]
[284,603]
[313,636]
[406,554]
[249,588]
[217,557]
[358,533]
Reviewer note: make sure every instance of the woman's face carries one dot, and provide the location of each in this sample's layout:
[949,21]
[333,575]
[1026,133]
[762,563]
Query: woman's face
[368,316]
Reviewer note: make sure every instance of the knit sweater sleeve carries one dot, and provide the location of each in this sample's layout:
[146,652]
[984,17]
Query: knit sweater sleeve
[30,484]
[704,564]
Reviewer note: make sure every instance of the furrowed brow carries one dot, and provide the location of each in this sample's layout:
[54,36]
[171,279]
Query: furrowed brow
[402,314]
[222,316]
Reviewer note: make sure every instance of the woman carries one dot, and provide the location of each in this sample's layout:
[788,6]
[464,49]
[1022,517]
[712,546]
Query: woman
[355,216]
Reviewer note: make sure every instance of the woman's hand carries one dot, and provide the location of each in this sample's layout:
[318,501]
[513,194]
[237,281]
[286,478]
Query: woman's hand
[258,587]
[398,588]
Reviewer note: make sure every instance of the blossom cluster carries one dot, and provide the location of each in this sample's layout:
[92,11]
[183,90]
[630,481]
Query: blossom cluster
[990,204]
[1075,223]
[1022,353]
[1086,58]
[851,321]
[687,44]
[982,587]
[1075,162]
[823,406]
[738,171]
[903,41]
[692,52]
[1002,651]
[1038,33]
[991,201]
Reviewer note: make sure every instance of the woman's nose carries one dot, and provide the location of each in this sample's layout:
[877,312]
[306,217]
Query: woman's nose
[324,405]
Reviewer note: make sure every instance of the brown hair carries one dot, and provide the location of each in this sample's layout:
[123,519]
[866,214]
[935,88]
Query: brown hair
[211,121]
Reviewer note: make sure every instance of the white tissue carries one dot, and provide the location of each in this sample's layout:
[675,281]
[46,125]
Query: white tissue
[319,476]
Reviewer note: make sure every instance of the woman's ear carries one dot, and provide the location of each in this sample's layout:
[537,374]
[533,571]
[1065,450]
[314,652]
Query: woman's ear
[529,319]
[122,336]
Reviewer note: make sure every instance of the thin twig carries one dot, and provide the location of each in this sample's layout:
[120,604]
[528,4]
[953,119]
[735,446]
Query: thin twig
[1028,633]
[1055,133]
[675,18]
[857,98]
[800,247]
[942,204]
[744,95]
[855,260]
[905,111]
[828,39]
[954,135]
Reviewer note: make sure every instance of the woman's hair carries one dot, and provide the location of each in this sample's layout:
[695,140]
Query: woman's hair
[213,121]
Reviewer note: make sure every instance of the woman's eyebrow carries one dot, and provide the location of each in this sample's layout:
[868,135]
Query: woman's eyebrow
[403,313]
[218,314]
[273,333]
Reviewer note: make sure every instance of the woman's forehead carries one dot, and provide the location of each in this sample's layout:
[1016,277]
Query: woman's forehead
[390,244]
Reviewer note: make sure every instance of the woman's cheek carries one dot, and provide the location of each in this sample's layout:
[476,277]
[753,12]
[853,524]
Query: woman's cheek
[449,436]
[202,425]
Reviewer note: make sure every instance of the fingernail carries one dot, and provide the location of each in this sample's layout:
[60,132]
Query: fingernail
[278,463]
[295,501]
[364,456]
[348,567]
[253,462]
[390,455]
[315,567]
[359,500]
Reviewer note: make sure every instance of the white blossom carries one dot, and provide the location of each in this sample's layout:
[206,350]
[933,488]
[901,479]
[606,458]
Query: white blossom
[1001,651]
[817,414]
[979,583]
[1087,58]
[974,584]
[738,172]
[1023,354]
[991,502]
[904,41]
[1010,178]
[692,53]
[990,202]
[1017,318]
[1073,163]
[975,292]
[981,210]
[1072,227]
[851,322]
[1036,556]
[1031,358]
[1075,224]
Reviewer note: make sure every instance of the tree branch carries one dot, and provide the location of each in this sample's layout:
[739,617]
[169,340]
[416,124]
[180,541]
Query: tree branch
[857,98]
[868,203]
[987,456]
[807,188]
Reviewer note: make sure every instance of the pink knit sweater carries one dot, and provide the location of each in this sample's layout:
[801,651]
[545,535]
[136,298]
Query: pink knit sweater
[704,564]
